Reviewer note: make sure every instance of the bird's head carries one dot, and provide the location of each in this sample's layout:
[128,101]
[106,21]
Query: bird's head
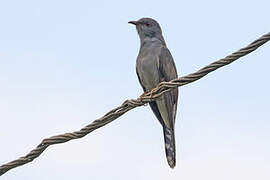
[147,28]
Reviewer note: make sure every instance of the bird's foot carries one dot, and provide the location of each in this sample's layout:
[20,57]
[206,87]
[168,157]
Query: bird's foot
[151,93]
[141,96]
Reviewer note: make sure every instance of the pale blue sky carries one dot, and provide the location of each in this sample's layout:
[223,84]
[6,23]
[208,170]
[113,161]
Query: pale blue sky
[65,63]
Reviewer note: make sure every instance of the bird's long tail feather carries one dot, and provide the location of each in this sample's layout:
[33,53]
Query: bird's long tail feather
[169,145]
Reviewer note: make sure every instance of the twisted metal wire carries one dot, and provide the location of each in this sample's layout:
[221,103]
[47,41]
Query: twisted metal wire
[133,103]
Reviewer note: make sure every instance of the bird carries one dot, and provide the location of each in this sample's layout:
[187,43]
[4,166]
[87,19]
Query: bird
[155,64]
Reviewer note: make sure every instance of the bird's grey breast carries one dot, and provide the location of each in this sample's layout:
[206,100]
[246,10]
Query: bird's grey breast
[147,65]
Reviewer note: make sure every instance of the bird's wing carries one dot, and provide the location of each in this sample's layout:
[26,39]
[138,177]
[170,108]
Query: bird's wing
[167,72]
[166,64]
[165,107]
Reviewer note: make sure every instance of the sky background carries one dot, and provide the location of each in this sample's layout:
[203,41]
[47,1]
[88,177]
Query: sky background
[65,63]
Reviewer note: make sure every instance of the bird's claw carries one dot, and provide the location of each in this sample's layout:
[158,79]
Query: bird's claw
[151,93]
[141,96]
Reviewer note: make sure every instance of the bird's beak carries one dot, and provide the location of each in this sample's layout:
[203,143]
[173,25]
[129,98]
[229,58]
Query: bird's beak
[133,22]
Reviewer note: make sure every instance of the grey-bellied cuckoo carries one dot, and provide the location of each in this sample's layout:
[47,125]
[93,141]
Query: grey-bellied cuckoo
[154,65]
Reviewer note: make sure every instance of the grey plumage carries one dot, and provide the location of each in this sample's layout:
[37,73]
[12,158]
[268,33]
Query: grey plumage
[155,64]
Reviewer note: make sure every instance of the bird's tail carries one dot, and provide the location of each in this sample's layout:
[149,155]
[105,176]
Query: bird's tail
[169,145]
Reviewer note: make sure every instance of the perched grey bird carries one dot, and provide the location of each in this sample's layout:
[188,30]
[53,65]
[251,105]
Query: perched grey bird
[154,65]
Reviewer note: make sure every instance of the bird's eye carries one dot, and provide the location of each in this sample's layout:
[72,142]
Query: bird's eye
[147,24]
